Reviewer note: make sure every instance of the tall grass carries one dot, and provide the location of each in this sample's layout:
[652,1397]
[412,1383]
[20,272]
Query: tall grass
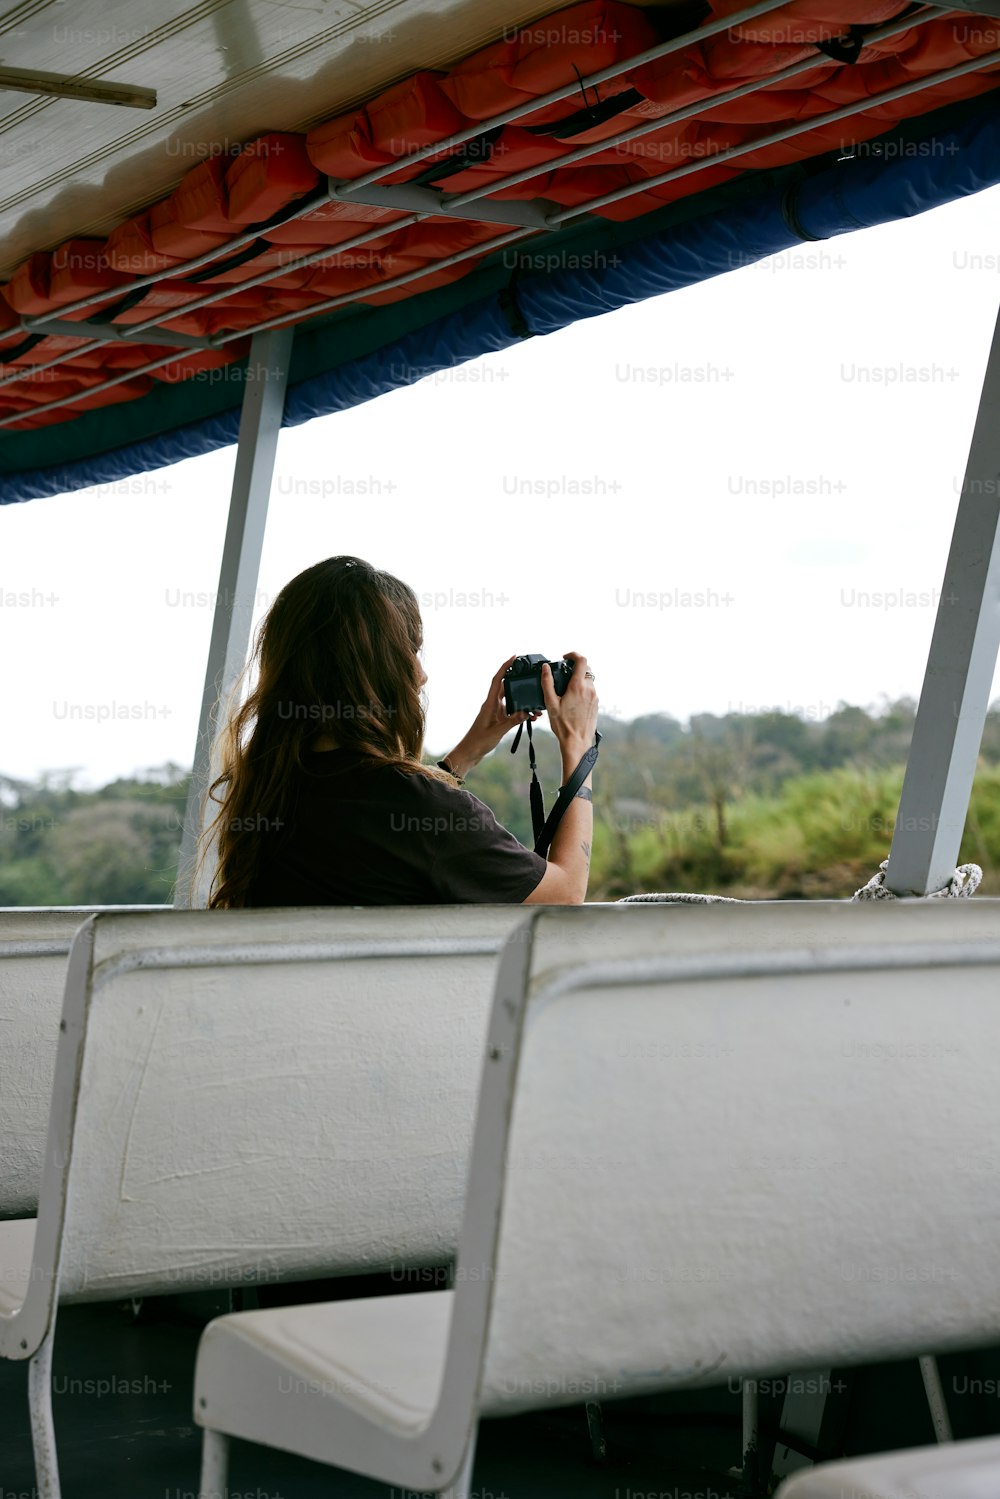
[820,836]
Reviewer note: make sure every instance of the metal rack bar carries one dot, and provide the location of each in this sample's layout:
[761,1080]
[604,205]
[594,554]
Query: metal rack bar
[614,70]
[444,204]
[283,320]
[355,189]
[93,390]
[988,59]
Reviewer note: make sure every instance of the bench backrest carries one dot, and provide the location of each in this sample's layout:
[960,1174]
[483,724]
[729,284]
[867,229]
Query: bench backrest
[34,947]
[254,1095]
[732,1162]
[261,1095]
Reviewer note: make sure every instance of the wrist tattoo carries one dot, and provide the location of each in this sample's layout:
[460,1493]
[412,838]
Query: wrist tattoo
[585,794]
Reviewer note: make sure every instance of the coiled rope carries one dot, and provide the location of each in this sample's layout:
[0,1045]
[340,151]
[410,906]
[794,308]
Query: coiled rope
[683,899]
[963,883]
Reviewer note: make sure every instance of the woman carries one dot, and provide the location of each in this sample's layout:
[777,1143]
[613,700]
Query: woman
[324,799]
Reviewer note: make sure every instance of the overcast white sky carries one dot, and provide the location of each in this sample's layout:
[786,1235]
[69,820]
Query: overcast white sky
[735,496]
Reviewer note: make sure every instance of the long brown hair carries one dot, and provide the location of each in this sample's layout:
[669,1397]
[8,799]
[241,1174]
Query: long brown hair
[337,651]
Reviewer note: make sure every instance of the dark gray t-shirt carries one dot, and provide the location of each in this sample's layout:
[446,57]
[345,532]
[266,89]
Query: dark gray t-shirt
[370,835]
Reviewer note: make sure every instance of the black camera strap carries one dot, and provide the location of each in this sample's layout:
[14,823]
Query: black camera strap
[542,827]
[535,789]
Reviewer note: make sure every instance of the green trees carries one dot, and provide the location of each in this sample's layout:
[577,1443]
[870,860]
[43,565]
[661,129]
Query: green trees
[118,846]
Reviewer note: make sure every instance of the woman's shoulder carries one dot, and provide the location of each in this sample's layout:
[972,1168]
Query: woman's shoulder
[430,788]
[438,802]
[382,779]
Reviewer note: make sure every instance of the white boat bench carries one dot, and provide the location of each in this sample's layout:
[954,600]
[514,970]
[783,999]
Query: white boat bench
[255,1033]
[189,1160]
[955,1470]
[693,1161]
[245,1097]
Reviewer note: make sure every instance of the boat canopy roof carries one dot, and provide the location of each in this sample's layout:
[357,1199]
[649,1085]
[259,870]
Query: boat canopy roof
[412,186]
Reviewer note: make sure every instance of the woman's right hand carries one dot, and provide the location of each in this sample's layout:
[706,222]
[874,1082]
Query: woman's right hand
[573,717]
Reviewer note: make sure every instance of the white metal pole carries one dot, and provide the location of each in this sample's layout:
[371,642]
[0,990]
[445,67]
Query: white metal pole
[260,423]
[955,696]
[931,1376]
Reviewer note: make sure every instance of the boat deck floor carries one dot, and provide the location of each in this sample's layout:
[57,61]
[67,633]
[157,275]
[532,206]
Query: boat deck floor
[122,1404]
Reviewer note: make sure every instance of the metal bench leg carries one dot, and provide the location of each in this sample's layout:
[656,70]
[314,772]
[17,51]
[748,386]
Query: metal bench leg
[43,1435]
[214,1465]
[462,1487]
[750,1471]
[595,1429]
[931,1377]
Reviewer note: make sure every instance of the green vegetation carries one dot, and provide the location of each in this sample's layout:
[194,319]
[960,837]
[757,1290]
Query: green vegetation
[753,805]
[117,846]
[820,836]
[762,805]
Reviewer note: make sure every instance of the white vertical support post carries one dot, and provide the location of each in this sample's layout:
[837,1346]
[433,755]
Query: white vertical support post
[955,696]
[260,423]
[936,1403]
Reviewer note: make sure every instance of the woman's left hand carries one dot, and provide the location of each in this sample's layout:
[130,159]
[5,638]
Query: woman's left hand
[491,724]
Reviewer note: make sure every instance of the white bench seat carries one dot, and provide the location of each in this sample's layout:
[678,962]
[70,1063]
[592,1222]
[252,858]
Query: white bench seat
[383,1357]
[954,1470]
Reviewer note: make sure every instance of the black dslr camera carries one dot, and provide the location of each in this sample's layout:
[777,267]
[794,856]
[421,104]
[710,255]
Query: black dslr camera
[522,683]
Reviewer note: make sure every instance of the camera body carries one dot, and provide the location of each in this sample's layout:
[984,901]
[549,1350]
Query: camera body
[522,682]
